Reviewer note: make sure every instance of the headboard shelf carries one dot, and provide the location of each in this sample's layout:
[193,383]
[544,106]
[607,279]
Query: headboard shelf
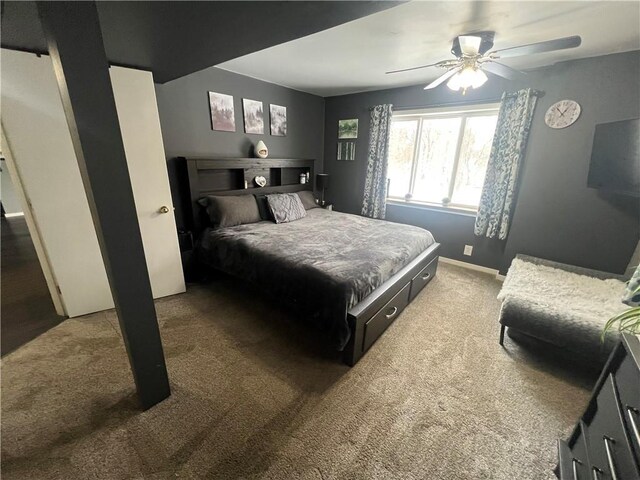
[204,163]
[228,176]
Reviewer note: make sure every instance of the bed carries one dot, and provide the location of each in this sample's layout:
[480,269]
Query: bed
[351,276]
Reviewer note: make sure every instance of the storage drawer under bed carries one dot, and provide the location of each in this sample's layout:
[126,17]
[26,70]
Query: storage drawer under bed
[372,316]
[422,278]
[385,317]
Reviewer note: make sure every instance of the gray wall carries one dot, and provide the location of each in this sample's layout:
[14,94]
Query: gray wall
[557,216]
[186,126]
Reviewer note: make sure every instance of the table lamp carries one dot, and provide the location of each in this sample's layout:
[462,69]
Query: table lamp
[322,182]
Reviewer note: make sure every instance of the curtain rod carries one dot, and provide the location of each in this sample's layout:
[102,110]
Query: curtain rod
[537,93]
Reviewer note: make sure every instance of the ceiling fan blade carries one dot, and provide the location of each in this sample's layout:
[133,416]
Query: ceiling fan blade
[502,70]
[412,68]
[540,47]
[443,78]
[441,63]
[470,45]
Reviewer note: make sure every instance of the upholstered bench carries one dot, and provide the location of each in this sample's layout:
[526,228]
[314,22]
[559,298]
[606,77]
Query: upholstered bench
[560,304]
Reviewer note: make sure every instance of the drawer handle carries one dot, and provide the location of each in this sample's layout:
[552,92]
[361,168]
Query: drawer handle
[631,412]
[394,310]
[574,466]
[426,276]
[596,473]
[608,441]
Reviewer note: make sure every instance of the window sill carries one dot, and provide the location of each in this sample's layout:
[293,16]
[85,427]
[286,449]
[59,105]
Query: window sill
[469,212]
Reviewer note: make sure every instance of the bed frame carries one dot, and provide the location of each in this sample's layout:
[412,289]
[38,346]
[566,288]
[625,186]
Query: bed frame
[235,176]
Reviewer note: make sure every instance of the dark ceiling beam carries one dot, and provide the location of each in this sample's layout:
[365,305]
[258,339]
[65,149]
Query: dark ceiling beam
[75,44]
[174,39]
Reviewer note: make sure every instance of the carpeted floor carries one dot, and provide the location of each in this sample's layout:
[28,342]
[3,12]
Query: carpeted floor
[255,396]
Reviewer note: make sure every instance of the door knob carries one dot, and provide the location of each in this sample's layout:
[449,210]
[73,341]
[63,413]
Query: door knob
[164,209]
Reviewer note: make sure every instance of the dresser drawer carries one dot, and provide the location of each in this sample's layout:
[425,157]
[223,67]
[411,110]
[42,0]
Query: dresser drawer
[607,444]
[385,317]
[564,470]
[627,379]
[579,461]
[421,279]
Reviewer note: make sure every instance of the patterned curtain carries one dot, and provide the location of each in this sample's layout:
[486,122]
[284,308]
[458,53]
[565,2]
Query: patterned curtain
[375,188]
[507,151]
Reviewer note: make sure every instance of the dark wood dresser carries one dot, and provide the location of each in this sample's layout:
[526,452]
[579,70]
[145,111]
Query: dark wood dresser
[605,444]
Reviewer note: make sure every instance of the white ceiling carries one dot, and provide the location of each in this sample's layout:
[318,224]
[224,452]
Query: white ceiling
[354,56]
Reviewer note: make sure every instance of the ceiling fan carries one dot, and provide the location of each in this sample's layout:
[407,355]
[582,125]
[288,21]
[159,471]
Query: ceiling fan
[473,59]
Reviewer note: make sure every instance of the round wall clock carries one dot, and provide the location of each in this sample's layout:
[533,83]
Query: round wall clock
[562,114]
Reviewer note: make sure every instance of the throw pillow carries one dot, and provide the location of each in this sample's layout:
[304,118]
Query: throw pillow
[229,211]
[308,199]
[286,207]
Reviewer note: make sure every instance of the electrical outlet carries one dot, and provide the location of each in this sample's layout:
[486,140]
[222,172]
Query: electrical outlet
[468,250]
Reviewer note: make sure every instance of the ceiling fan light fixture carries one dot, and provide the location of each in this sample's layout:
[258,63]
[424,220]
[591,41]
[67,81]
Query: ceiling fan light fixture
[480,78]
[468,77]
[469,44]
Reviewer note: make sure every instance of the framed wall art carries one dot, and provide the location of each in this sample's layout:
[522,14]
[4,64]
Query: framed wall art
[348,128]
[253,116]
[278,123]
[222,112]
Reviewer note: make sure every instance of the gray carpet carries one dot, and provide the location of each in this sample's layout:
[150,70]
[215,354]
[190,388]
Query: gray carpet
[256,396]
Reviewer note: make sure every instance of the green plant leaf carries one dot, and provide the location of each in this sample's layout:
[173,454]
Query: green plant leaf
[628,321]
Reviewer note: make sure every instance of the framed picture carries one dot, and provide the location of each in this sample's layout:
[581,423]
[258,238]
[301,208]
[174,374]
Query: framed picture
[348,128]
[222,113]
[278,116]
[253,116]
[346,151]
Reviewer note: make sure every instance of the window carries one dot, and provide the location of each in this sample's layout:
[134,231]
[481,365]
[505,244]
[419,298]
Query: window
[440,156]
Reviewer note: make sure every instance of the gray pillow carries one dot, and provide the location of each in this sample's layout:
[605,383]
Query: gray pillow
[263,208]
[308,199]
[286,207]
[229,211]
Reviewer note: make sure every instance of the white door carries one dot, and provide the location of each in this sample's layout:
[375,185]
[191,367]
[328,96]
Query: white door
[135,97]
[36,237]
[37,131]
[36,128]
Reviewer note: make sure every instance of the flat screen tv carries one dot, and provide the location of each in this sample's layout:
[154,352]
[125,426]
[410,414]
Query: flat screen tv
[615,158]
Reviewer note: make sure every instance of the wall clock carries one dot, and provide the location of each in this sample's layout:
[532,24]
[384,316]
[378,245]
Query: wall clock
[562,114]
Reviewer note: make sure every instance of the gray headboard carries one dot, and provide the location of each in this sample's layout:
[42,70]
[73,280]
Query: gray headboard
[228,176]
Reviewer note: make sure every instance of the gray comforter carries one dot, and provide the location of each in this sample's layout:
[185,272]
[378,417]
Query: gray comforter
[323,264]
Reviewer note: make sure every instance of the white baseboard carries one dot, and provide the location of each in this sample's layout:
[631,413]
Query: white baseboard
[473,266]
[17,214]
